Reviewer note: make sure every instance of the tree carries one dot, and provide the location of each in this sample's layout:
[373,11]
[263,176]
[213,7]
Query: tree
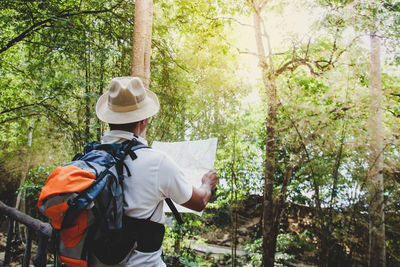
[377,254]
[141,47]
[317,63]
[379,20]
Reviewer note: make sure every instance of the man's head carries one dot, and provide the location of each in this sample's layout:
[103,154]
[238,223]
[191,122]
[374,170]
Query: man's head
[127,104]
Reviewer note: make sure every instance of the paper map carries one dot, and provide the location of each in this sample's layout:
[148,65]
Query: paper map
[195,158]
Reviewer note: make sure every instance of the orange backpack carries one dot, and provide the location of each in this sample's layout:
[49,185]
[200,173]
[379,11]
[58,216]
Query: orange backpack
[84,201]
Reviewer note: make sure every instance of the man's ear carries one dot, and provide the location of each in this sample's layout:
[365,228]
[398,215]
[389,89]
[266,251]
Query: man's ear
[142,128]
[143,123]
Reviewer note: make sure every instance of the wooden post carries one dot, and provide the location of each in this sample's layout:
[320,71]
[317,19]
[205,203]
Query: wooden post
[28,247]
[40,258]
[10,235]
[44,231]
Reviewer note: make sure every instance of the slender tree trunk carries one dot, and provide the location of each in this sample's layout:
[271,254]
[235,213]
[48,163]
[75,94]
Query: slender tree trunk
[270,227]
[101,90]
[88,113]
[21,197]
[141,47]
[271,209]
[234,212]
[377,254]
[20,202]
[274,198]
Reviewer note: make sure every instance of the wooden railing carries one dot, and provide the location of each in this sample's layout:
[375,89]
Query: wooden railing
[43,233]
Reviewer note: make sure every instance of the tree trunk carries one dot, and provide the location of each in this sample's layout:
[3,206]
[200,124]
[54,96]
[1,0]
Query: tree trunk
[21,197]
[88,112]
[271,209]
[234,210]
[100,92]
[141,47]
[20,202]
[377,254]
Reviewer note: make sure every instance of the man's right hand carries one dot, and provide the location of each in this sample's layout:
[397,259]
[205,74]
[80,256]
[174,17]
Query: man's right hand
[210,178]
[202,194]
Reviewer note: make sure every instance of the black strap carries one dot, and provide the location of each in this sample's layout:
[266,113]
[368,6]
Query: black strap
[128,148]
[148,235]
[55,236]
[134,145]
[174,210]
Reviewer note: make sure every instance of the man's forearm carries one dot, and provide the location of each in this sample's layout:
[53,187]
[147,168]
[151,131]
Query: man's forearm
[200,197]
[202,194]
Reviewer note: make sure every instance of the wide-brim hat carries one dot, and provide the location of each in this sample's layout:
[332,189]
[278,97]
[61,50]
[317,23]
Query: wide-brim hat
[126,101]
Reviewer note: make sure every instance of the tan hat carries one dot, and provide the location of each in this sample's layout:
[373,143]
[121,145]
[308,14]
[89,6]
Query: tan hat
[126,101]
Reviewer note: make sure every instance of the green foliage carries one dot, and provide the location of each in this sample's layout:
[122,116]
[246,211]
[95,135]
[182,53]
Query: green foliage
[34,182]
[294,244]
[57,57]
[177,244]
[43,79]
[253,251]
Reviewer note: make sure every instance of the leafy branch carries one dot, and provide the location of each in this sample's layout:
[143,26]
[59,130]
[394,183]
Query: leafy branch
[41,24]
[316,67]
[19,117]
[40,103]
[166,53]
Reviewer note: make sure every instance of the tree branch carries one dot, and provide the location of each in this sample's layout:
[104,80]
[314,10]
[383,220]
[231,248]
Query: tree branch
[307,49]
[394,113]
[334,48]
[263,4]
[338,162]
[339,54]
[40,103]
[247,52]
[293,64]
[19,117]
[13,67]
[252,4]
[268,40]
[316,188]
[166,52]
[234,20]
[40,24]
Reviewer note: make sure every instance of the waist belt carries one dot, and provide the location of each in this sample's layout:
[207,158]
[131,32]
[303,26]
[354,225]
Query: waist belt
[149,235]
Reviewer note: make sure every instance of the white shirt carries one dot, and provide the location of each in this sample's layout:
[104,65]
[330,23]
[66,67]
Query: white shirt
[154,177]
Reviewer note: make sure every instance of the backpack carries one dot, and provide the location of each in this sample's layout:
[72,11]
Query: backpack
[84,201]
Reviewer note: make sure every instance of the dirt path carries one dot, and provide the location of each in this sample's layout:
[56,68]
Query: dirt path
[214,250]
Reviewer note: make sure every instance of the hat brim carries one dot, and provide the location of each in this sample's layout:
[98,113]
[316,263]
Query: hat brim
[150,106]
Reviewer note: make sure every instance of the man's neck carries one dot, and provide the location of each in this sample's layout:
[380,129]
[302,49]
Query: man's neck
[140,130]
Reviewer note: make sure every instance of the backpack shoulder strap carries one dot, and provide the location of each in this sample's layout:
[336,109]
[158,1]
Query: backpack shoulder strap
[130,147]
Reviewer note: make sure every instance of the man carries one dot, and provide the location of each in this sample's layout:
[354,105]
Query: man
[126,107]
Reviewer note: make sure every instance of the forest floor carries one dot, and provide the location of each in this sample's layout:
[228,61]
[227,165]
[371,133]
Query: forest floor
[242,222]
[17,252]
